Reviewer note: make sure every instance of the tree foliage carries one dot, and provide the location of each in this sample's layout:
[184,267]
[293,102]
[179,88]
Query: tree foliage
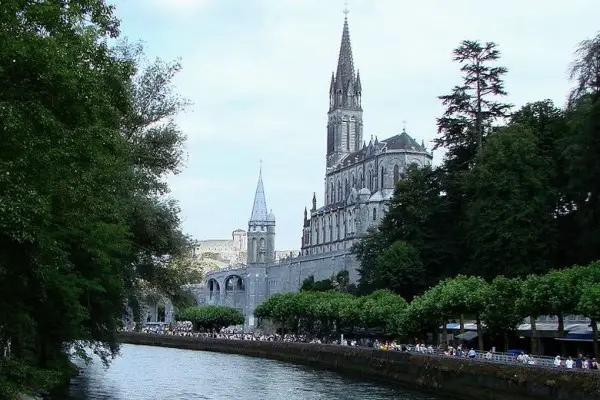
[211,318]
[88,140]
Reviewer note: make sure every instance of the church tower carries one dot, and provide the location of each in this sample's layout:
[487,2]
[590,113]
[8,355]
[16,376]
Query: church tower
[345,123]
[261,229]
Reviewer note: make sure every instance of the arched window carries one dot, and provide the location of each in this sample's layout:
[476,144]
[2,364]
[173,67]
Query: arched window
[339,191]
[370,180]
[330,229]
[346,189]
[331,192]
[262,250]
[335,225]
[396,174]
[381,180]
[374,214]
[254,250]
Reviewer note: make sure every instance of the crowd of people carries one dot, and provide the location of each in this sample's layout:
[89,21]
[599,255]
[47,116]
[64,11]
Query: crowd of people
[185,328]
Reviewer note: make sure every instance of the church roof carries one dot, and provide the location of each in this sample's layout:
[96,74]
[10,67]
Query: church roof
[259,209]
[403,141]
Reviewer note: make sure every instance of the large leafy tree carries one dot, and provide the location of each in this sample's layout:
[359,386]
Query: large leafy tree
[64,178]
[88,140]
[400,269]
[510,218]
[582,150]
[416,217]
[500,312]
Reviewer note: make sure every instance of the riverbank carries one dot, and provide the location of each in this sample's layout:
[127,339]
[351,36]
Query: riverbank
[460,378]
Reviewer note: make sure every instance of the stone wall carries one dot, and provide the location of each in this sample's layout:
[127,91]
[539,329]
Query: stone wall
[288,275]
[458,378]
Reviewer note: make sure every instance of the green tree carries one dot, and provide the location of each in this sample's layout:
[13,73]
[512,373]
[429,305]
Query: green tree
[472,107]
[416,216]
[211,318]
[500,313]
[582,149]
[383,309]
[549,124]
[399,268]
[64,178]
[510,225]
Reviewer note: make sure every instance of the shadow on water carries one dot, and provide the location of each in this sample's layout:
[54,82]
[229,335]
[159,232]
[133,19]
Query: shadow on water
[156,373]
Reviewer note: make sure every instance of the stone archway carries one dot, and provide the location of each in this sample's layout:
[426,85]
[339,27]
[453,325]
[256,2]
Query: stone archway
[214,291]
[235,291]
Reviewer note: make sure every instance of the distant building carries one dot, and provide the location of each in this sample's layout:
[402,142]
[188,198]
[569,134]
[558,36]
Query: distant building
[223,252]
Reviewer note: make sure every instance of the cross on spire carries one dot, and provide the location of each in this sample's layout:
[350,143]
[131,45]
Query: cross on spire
[404,126]
[346,11]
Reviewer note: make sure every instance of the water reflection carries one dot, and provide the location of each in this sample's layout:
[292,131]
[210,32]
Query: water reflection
[155,373]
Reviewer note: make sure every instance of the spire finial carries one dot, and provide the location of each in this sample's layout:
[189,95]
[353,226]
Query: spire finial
[403,126]
[346,11]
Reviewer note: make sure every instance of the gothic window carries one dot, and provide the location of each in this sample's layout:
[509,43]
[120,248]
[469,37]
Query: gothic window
[331,192]
[346,188]
[323,227]
[335,225]
[339,190]
[254,250]
[262,250]
[353,180]
[370,180]
[347,136]
[396,174]
[374,214]
[330,229]
[317,233]
[381,181]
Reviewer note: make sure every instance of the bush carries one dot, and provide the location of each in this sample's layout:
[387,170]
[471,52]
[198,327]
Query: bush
[211,317]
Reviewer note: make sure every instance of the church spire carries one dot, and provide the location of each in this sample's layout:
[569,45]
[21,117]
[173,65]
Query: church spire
[345,83]
[259,209]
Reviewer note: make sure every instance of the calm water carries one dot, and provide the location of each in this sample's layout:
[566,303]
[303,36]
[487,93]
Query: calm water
[155,373]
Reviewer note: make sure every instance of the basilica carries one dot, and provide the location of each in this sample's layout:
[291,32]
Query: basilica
[359,177]
[359,181]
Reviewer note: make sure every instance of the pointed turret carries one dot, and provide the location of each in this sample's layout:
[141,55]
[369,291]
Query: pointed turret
[314,202]
[259,209]
[261,228]
[345,81]
[344,127]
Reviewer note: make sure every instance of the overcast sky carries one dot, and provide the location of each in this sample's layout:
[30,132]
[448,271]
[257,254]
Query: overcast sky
[258,71]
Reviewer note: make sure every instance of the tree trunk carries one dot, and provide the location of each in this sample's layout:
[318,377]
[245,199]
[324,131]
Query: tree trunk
[561,334]
[479,334]
[462,323]
[595,337]
[445,332]
[534,339]
[505,342]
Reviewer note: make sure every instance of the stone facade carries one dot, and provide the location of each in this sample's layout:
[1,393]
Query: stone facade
[359,181]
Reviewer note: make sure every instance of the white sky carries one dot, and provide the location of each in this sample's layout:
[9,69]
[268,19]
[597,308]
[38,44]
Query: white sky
[258,71]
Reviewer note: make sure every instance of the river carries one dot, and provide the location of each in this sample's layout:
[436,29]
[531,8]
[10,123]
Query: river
[157,373]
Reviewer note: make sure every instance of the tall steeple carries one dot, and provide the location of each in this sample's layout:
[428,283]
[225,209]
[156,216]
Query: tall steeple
[259,209]
[344,128]
[261,228]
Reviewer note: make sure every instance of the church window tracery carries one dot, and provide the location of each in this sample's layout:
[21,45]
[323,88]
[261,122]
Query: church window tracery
[382,175]
[374,214]
[396,174]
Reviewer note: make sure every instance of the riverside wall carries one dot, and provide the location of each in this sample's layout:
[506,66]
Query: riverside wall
[458,378]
